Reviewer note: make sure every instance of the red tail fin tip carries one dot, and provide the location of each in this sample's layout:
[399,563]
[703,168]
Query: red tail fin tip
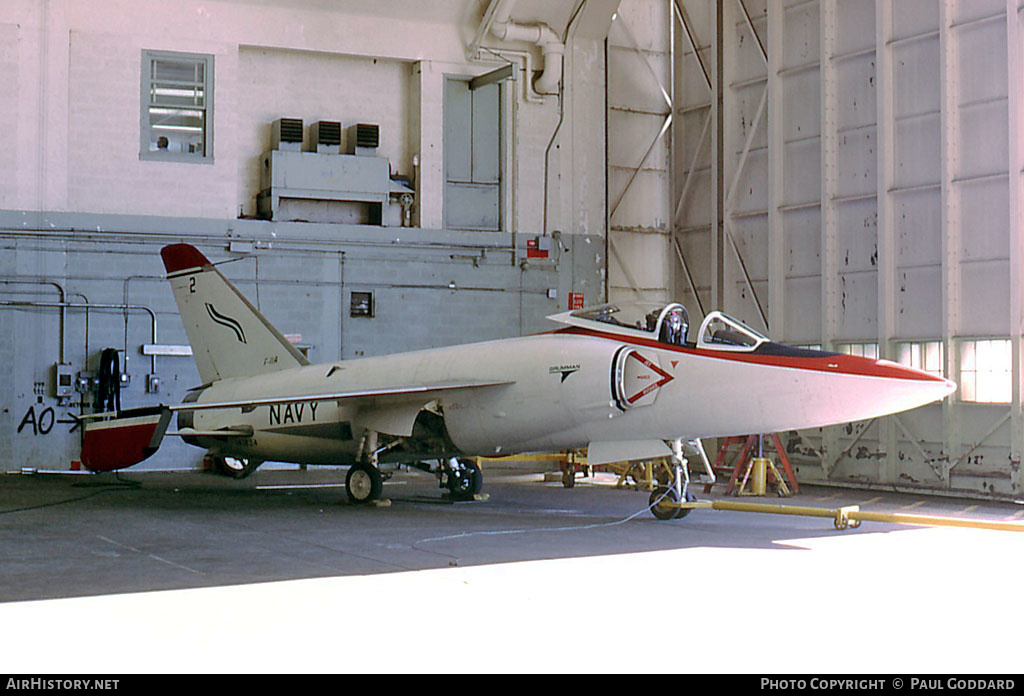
[178,257]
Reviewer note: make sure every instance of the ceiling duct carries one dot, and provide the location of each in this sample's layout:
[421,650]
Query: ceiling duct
[537,33]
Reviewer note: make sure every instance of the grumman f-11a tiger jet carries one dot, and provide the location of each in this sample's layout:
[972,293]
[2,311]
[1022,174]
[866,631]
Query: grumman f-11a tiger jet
[622,380]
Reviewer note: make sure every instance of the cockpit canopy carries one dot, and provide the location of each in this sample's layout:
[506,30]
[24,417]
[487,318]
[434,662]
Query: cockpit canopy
[666,323]
[670,323]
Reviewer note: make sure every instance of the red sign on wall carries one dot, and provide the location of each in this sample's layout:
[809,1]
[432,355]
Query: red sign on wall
[537,248]
[575,300]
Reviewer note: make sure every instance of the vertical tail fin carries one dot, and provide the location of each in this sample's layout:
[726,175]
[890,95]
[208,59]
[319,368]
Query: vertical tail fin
[229,337]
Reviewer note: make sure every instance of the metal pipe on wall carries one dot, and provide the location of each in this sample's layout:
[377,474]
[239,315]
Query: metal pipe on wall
[93,305]
[63,299]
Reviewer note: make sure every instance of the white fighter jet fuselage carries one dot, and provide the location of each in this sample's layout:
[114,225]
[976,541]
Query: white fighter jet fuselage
[620,380]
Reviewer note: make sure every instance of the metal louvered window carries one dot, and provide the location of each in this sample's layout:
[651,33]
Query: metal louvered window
[177,107]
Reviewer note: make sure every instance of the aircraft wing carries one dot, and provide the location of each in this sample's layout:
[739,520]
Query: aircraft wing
[397,392]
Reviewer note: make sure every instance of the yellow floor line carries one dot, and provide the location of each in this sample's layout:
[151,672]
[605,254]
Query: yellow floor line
[969,508]
[919,503]
[872,500]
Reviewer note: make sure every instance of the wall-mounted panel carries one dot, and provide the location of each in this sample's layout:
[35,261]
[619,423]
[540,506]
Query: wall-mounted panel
[983,138]
[802,167]
[917,155]
[856,162]
[918,216]
[857,236]
[919,302]
[984,221]
[983,287]
[857,20]
[857,311]
[913,17]
[800,27]
[916,77]
[803,311]
[803,242]
[982,55]
[855,93]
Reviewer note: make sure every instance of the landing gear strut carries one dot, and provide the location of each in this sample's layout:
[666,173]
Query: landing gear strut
[665,500]
[364,482]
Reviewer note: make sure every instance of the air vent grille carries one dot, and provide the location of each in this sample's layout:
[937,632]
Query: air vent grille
[291,130]
[328,132]
[367,135]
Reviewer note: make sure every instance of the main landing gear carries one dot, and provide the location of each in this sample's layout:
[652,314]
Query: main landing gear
[462,478]
[364,483]
[233,467]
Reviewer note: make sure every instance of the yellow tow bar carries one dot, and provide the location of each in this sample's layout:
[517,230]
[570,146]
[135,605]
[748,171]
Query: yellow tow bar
[851,516]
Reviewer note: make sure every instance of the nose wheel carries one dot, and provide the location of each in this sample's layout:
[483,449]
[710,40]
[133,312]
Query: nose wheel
[664,502]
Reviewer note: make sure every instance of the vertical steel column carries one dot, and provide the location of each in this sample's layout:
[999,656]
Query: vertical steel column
[886,121]
[949,105]
[829,186]
[717,164]
[1016,164]
[684,27]
[671,140]
[728,141]
[776,173]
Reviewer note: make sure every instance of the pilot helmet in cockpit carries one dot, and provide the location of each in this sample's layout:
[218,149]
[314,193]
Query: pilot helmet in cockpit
[675,326]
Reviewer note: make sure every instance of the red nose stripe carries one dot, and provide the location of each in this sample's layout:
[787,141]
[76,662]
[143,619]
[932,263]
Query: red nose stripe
[837,364]
[178,257]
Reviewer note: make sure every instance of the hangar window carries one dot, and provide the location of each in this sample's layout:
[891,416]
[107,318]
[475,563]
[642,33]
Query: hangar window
[177,112]
[986,372]
[361,304]
[861,350]
[925,355]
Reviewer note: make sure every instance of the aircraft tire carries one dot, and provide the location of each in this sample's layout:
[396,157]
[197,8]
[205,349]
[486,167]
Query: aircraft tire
[466,483]
[660,501]
[568,478]
[363,483]
[233,467]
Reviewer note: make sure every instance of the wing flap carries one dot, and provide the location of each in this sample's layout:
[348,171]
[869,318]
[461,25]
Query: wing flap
[237,431]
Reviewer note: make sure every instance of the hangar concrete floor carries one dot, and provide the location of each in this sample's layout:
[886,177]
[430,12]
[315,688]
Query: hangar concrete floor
[191,572]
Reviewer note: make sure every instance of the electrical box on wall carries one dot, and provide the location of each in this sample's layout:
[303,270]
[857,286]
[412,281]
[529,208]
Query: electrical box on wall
[63,381]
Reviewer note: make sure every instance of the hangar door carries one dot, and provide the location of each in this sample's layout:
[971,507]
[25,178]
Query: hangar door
[472,156]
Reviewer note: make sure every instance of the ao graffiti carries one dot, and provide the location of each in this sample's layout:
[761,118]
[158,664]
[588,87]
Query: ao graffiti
[41,425]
